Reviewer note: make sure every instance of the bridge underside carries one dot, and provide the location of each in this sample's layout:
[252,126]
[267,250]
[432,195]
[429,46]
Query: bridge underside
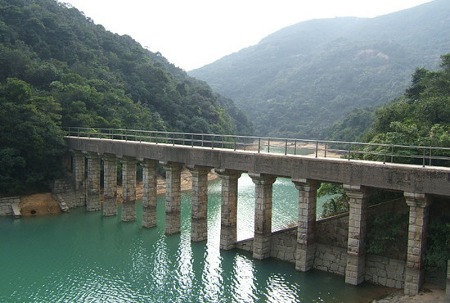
[417,184]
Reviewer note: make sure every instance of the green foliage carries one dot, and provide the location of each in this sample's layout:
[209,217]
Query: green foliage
[438,245]
[337,201]
[31,138]
[59,69]
[421,117]
[299,81]
[387,233]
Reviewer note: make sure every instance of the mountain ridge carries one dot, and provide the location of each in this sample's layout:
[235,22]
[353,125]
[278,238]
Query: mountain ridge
[301,79]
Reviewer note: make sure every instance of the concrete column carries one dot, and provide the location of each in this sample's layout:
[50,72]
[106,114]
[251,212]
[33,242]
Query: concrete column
[263,215]
[79,176]
[228,221]
[418,221]
[356,254]
[173,198]
[306,248]
[129,189]
[149,195]
[93,186]
[110,185]
[199,228]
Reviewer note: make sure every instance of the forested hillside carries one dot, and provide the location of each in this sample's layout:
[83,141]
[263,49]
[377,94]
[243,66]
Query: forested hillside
[421,116]
[58,69]
[300,80]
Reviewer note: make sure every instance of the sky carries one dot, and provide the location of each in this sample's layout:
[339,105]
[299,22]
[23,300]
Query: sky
[193,33]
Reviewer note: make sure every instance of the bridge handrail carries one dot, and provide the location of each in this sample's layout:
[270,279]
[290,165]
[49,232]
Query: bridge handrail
[393,153]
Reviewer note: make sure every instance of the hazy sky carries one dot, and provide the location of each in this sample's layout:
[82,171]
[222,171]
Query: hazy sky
[193,33]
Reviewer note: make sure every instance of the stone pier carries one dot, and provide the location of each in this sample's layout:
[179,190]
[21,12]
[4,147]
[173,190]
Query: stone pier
[149,194]
[228,221]
[79,178]
[173,197]
[129,189]
[356,254]
[199,223]
[263,215]
[93,187]
[306,248]
[110,185]
[448,281]
[418,221]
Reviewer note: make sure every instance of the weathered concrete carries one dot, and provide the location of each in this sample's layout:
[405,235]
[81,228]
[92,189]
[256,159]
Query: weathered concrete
[228,221]
[354,273]
[173,197]
[16,210]
[199,223]
[305,250]
[93,186]
[399,177]
[6,205]
[110,185]
[129,189]
[263,215]
[418,221]
[149,194]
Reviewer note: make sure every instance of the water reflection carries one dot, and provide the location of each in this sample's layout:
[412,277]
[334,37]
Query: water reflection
[243,284]
[84,257]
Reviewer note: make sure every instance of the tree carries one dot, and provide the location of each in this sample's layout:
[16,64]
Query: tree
[31,139]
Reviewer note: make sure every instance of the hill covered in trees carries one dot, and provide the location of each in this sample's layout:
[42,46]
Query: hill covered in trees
[58,69]
[300,80]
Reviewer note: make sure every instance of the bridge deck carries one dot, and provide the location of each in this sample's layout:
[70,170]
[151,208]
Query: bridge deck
[391,176]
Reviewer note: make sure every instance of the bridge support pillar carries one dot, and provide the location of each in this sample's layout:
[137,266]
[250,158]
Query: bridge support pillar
[93,188]
[418,221]
[228,221]
[129,189]
[263,215]
[149,194]
[79,175]
[306,248]
[173,198]
[356,254]
[110,185]
[199,229]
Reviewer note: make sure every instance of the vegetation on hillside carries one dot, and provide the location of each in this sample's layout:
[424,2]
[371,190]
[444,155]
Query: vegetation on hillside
[299,81]
[421,117]
[59,69]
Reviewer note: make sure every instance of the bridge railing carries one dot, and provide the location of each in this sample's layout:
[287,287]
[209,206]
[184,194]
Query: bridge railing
[392,153]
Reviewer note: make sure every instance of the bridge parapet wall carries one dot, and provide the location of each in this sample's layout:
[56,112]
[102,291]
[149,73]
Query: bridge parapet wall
[416,182]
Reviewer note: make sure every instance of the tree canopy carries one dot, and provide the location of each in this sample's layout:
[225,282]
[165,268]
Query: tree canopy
[59,69]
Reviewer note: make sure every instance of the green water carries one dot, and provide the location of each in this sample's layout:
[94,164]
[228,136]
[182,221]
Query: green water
[85,257]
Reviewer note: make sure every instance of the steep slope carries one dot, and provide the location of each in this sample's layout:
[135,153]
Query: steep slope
[59,69]
[301,79]
[54,47]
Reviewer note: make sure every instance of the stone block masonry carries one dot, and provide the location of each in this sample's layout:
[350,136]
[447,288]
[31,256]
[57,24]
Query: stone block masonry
[5,205]
[129,190]
[418,183]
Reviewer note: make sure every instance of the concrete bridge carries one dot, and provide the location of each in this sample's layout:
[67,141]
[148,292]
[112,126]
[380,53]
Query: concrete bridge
[232,157]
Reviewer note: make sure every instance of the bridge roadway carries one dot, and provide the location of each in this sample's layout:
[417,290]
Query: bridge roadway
[419,185]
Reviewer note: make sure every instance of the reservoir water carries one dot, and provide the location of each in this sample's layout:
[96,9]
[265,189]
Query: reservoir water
[85,257]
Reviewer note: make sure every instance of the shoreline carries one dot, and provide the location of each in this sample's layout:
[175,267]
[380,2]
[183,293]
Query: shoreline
[45,204]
